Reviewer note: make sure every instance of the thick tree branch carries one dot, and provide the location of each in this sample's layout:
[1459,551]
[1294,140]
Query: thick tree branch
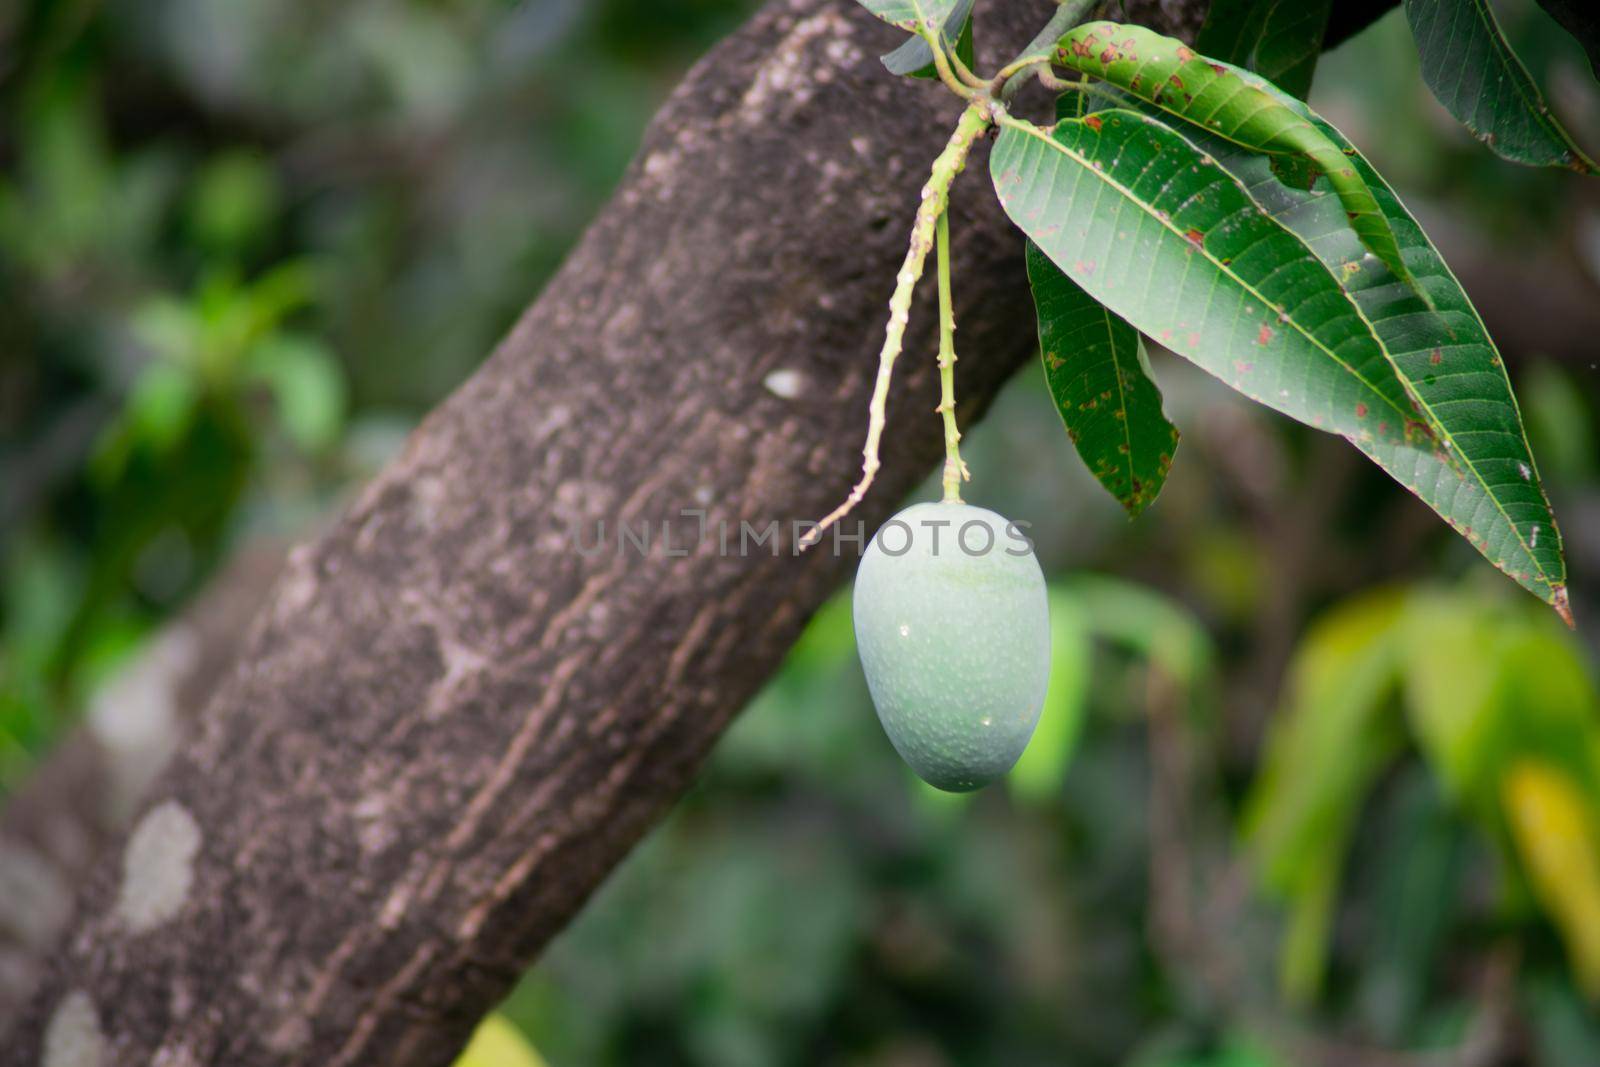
[62,817]
[450,723]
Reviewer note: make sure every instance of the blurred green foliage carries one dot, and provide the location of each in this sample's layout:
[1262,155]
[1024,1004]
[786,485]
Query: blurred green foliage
[243,246]
[1501,707]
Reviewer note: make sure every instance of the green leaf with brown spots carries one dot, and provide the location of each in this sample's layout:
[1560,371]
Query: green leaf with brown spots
[1444,357]
[1167,73]
[915,57]
[913,15]
[1153,228]
[1471,68]
[1096,368]
[1278,39]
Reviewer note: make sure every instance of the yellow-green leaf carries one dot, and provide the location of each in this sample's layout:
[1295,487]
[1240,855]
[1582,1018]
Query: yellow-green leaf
[1553,825]
[497,1043]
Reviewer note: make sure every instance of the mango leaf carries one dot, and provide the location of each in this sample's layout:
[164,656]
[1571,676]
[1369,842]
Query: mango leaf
[1454,673]
[1553,825]
[915,58]
[1167,73]
[1148,624]
[1237,1050]
[1445,359]
[161,405]
[912,15]
[1472,70]
[1154,229]
[1098,373]
[1551,701]
[1417,876]
[305,380]
[497,1043]
[1037,776]
[1324,751]
[1278,39]
[1581,19]
[1313,903]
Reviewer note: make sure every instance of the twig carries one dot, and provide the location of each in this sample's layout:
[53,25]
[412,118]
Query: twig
[955,471]
[935,197]
[1011,76]
[947,74]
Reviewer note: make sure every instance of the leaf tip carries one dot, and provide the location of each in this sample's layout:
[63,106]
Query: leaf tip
[1563,605]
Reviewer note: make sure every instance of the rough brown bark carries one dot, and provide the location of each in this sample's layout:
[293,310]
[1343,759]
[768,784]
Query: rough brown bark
[63,816]
[449,724]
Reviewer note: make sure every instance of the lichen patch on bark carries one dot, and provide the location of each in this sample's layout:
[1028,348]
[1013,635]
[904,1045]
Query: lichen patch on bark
[158,867]
[74,1037]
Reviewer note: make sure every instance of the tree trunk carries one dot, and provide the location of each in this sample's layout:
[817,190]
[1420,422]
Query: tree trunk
[450,722]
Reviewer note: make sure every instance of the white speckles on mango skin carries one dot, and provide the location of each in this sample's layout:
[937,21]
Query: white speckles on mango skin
[955,643]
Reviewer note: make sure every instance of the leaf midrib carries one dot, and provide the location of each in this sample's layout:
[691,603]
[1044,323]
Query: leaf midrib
[1038,133]
[1122,394]
[1428,410]
[1433,420]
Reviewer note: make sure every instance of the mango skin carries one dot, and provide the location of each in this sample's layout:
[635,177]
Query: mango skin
[954,641]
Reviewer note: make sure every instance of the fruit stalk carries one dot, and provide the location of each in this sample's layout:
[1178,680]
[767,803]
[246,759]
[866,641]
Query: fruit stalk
[955,471]
[935,196]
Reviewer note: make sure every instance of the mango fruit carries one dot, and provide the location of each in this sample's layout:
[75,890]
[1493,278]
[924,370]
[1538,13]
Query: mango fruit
[953,626]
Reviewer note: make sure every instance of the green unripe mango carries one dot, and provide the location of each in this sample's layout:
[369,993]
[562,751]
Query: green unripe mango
[953,626]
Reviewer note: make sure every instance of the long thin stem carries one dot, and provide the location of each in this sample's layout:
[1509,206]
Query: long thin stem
[947,74]
[955,471]
[1013,74]
[965,73]
[935,197]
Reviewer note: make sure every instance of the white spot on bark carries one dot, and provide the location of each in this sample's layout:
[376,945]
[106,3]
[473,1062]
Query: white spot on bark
[429,500]
[786,383]
[135,716]
[35,901]
[394,908]
[158,867]
[74,1038]
[461,664]
[660,165]
[842,53]
[290,1035]
[298,583]
[175,1056]
[375,831]
[787,76]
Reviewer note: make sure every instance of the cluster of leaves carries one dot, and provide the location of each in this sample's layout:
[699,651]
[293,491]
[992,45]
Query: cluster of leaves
[1506,716]
[1183,198]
